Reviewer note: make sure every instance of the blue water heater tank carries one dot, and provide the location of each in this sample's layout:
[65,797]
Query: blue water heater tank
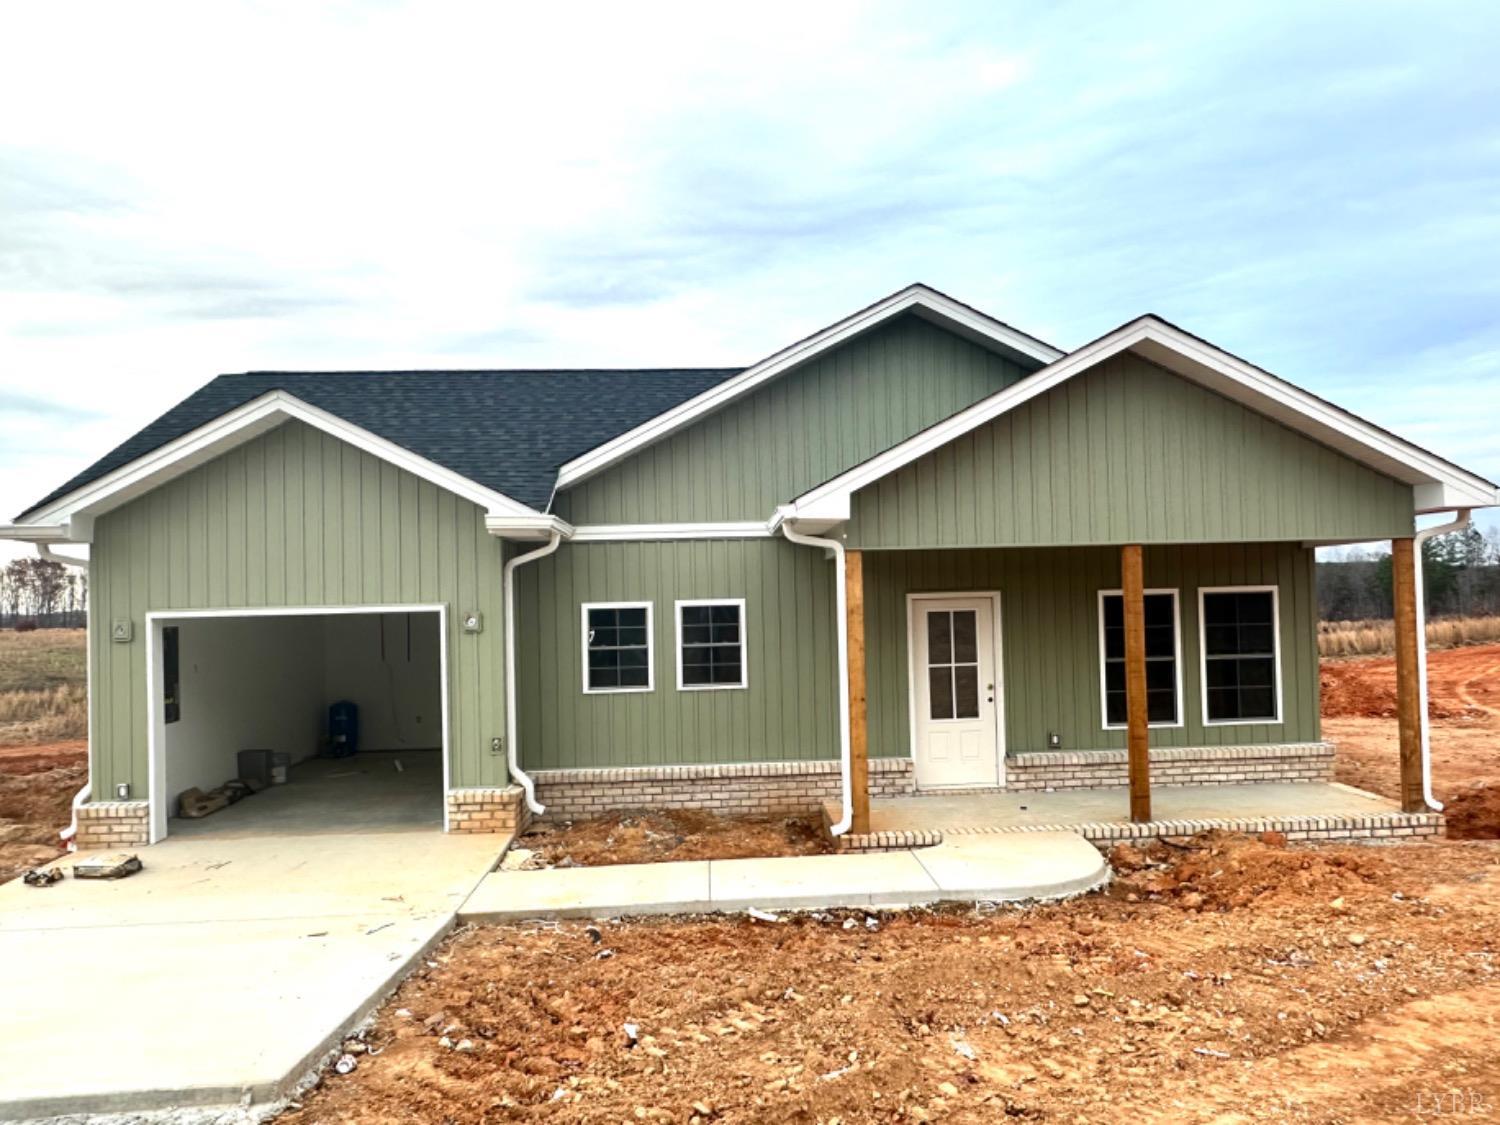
[343,729]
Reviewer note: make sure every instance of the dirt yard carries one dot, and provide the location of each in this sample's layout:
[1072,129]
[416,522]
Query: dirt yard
[1231,980]
[672,834]
[1241,982]
[37,784]
[1359,707]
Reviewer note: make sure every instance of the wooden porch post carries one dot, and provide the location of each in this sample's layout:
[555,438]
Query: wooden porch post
[1132,586]
[859,739]
[1409,717]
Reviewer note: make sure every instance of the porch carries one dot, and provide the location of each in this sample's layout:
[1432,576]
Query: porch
[1302,811]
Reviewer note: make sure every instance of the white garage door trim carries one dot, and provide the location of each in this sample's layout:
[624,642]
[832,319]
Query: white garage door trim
[156,766]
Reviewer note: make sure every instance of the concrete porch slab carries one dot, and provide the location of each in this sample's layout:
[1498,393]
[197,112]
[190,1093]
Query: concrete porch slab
[1302,810]
[591,892]
[226,967]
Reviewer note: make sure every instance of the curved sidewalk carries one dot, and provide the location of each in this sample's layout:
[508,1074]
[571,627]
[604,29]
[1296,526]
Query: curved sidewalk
[1010,868]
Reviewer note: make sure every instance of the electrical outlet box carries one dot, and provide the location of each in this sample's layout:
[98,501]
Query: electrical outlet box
[473,622]
[496,746]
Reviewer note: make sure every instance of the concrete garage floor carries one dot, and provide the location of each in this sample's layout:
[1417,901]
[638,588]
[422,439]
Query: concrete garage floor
[230,964]
[356,794]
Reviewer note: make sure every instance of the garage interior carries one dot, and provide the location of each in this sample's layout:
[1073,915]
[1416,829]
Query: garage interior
[229,684]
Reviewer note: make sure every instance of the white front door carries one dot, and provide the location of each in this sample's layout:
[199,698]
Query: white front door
[955,697]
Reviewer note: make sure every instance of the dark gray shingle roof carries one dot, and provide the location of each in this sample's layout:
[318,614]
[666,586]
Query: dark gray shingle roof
[506,430]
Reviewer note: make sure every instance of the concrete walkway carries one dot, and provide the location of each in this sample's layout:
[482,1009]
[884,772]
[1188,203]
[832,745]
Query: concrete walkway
[228,966]
[1036,865]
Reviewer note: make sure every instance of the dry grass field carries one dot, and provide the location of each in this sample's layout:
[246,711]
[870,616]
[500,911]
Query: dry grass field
[43,697]
[1378,638]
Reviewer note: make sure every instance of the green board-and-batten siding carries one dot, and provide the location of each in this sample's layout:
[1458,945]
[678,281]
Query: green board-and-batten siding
[789,711]
[1050,637]
[1050,644]
[798,430]
[295,518]
[1129,453]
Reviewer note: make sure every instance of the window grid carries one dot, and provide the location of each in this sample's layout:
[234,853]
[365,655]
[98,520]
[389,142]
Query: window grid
[711,645]
[617,647]
[952,664]
[1163,658]
[1241,655]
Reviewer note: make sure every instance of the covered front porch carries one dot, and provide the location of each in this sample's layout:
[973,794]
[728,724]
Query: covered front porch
[1307,811]
[1156,689]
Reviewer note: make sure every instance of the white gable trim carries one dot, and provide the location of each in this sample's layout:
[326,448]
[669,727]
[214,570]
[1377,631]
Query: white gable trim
[1438,484]
[235,428]
[914,298]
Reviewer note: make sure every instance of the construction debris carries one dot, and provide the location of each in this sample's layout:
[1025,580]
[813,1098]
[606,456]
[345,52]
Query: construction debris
[114,865]
[40,877]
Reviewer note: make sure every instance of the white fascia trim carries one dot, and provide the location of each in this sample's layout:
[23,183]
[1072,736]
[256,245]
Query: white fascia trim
[638,532]
[35,533]
[532,525]
[1436,481]
[912,298]
[237,427]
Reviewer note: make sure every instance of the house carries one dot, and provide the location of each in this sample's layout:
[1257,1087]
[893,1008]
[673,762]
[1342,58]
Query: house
[919,550]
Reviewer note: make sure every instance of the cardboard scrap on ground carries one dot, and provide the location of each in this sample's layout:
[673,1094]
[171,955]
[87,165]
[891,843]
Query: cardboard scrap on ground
[114,865]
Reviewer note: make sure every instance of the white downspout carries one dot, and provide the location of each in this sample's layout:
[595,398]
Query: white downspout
[68,833]
[842,592]
[512,751]
[1422,536]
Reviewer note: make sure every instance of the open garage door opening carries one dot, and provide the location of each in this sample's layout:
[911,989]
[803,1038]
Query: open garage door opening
[298,722]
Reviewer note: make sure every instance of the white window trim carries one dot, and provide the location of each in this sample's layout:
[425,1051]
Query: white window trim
[1275,592]
[1176,639]
[744,644]
[650,648]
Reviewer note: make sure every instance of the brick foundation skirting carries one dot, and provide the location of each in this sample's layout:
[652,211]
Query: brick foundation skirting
[488,810]
[771,788]
[1391,827]
[1382,828]
[1173,766]
[107,825]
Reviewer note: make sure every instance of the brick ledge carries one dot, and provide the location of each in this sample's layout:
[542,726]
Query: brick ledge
[710,771]
[1034,758]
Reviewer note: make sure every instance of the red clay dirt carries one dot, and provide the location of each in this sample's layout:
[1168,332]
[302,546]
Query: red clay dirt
[37,784]
[1359,705]
[1228,980]
[670,834]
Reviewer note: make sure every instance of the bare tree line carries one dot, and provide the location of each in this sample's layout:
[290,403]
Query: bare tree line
[1460,576]
[36,592]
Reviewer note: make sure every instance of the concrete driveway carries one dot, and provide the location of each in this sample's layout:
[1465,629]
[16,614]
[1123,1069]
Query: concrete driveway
[226,967]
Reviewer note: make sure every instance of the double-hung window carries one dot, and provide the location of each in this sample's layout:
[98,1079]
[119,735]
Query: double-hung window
[617,647]
[711,644]
[1163,658]
[1241,654]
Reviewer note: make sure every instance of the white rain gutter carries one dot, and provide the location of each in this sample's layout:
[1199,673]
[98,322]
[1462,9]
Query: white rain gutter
[512,751]
[68,833]
[1422,536]
[841,587]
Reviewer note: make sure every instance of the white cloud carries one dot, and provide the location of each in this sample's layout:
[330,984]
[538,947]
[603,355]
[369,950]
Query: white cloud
[187,189]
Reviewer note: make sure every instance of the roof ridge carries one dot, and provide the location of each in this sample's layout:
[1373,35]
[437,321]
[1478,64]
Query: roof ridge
[489,371]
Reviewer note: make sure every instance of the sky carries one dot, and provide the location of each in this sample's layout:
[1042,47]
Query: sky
[193,189]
